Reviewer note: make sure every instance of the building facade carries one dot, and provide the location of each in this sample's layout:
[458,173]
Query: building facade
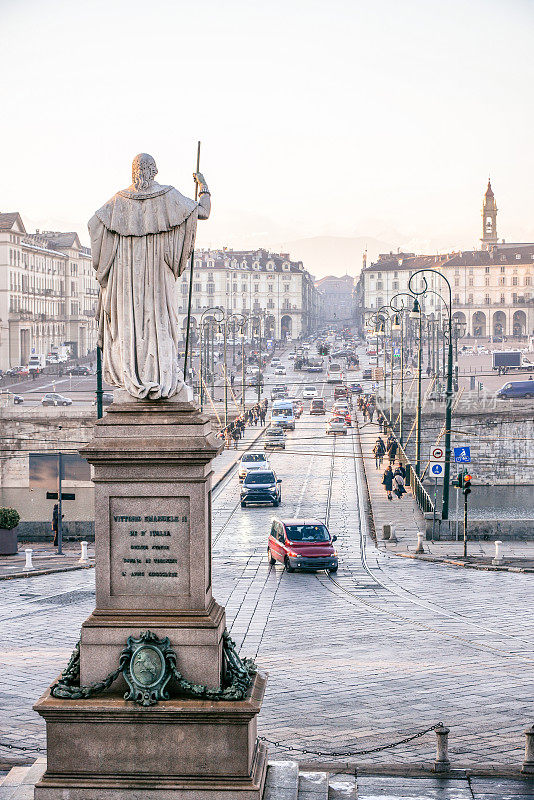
[250,283]
[47,293]
[492,288]
[337,298]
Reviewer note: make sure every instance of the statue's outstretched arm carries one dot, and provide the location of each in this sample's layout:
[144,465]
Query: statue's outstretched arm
[204,199]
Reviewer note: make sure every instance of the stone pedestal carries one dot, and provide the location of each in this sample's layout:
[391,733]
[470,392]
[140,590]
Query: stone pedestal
[152,474]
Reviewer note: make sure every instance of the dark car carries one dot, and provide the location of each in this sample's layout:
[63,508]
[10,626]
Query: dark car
[279,392]
[78,370]
[367,375]
[18,399]
[107,399]
[302,544]
[356,388]
[261,486]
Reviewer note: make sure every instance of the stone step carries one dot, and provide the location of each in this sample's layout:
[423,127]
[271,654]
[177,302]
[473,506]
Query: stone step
[342,787]
[282,781]
[313,786]
[19,782]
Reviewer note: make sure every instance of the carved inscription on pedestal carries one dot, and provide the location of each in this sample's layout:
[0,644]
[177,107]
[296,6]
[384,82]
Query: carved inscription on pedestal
[149,548]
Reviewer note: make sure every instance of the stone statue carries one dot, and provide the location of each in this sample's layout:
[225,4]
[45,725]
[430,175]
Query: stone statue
[141,242]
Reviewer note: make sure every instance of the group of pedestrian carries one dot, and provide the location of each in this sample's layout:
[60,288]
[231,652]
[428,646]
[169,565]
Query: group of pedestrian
[394,481]
[366,404]
[235,430]
[381,448]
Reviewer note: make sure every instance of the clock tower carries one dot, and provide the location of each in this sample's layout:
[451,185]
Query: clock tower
[489,219]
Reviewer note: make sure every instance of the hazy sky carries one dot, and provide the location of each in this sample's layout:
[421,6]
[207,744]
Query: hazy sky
[339,117]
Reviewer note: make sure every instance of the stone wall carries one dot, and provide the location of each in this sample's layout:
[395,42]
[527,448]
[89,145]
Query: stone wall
[501,437]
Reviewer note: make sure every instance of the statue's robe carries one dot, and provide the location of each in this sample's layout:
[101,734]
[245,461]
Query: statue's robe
[141,242]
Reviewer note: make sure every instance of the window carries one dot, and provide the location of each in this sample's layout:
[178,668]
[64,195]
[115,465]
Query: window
[515,280]
[486,270]
[487,300]
[471,271]
[211,288]
[470,281]
[502,299]
[470,300]
[256,288]
[527,280]
[270,303]
[457,281]
[234,287]
[502,281]
[184,288]
[286,287]
[503,269]
[379,285]
[395,284]
[243,287]
[486,281]
[518,256]
[270,288]
[197,287]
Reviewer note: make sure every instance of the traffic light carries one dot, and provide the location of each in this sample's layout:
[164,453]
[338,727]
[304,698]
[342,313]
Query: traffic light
[459,480]
[467,484]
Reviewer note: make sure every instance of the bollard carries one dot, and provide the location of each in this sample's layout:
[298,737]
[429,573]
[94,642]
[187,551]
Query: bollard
[442,763]
[420,537]
[83,558]
[498,560]
[528,763]
[386,530]
[28,566]
[393,537]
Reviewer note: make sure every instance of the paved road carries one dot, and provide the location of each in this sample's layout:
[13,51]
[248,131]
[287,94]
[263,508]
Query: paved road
[384,649]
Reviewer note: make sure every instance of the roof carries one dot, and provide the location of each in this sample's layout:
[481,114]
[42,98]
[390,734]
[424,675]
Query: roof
[8,219]
[223,259]
[406,261]
[59,240]
[489,190]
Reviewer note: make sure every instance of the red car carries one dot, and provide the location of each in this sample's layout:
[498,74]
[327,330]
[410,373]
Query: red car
[302,544]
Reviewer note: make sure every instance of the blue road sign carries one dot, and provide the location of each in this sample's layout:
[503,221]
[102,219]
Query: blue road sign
[436,470]
[462,455]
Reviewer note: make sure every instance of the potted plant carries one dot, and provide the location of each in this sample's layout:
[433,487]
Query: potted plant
[9,519]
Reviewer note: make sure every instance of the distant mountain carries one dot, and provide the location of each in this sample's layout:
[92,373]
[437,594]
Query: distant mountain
[335,255]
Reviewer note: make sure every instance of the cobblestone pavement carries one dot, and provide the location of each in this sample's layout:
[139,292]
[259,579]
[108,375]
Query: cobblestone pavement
[385,648]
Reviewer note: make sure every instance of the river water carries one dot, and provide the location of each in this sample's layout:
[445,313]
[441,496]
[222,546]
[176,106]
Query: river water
[491,502]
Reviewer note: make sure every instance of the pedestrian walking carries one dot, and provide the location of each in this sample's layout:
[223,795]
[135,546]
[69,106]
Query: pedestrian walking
[401,471]
[398,483]
[232,380]
[235,436]
[387,481]
[392,449]
[379,450]
[370,412]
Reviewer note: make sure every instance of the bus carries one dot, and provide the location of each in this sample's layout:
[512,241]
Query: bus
[334,373]
[282,413]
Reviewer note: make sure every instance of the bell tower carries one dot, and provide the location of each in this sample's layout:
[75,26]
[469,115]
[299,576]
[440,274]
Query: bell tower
[489,219]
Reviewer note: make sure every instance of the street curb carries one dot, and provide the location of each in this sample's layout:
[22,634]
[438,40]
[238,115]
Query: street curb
[422,770]
[44,572]
[452,563]
[55,570]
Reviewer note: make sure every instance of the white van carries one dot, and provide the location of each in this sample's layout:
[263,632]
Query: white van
[282,413]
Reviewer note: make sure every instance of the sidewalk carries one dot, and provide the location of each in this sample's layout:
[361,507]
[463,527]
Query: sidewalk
[45,558]
[404,514]
[406,519]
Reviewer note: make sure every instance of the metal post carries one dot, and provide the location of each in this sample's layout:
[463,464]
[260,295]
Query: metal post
[243,373]
[99,392]
[260,373]
[457,513]
[418,422]
[465,524]
[401,416]
[384,347]
[225,379]
[59,505]
[391,381]
[200,360]
[442,763]
[191,281]
[448,424]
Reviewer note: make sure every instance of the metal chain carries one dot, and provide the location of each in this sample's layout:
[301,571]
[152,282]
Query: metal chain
[291,748]
[335,754]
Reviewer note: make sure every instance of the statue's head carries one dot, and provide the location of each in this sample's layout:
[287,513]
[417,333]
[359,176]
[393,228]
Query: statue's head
[143,171]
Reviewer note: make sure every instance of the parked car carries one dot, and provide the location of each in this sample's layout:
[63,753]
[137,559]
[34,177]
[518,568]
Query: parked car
[367,374]
[301,544]
[275,438]
[309,392]
[318,406]
[54,399]
[518,389]
[78,370]
[336,425]
[250,462]
[261,486]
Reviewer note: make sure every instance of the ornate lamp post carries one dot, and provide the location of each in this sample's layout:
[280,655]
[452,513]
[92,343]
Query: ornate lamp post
[380,317]
[259,318]
[216,312]
[397,325]
[448,395]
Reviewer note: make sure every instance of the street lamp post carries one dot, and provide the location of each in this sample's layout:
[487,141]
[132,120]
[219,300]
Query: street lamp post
[398,325]
[215,311]
[448,395]
[416,313]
